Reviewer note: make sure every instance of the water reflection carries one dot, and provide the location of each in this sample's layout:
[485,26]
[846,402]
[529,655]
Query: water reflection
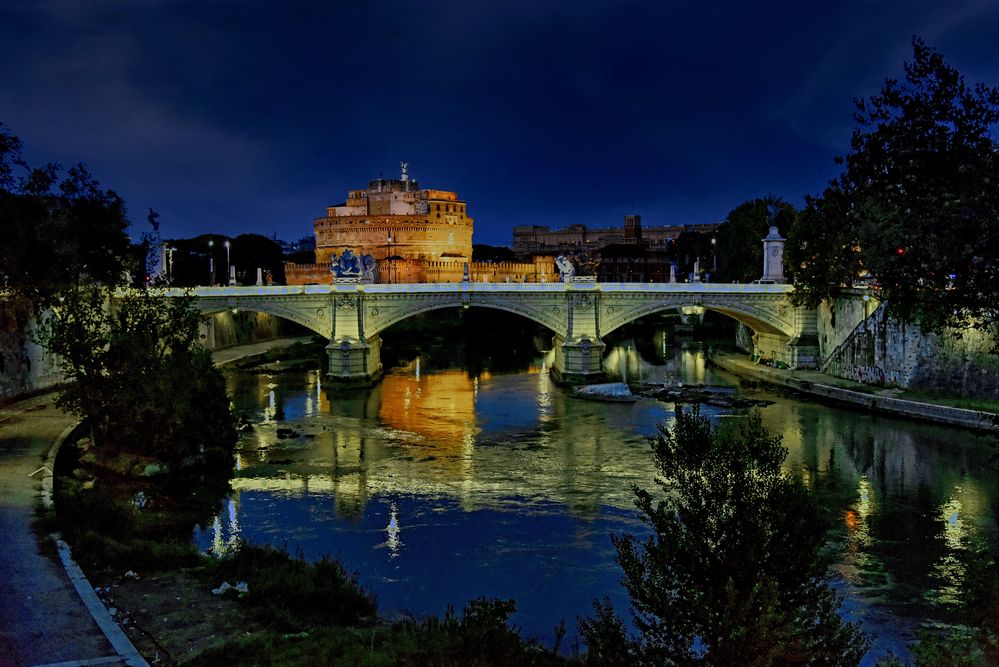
[508,486]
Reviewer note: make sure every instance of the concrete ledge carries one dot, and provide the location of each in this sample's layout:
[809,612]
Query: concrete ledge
[118,639]
[929,412]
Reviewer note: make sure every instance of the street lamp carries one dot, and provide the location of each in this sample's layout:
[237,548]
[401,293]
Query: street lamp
[388,257]
[228,264]
[211,262]
[714,255]
[169,253]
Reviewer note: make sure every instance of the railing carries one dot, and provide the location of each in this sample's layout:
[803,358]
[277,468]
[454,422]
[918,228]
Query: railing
[471,287]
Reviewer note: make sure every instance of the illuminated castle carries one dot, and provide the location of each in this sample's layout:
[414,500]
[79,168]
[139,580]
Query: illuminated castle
[417,236]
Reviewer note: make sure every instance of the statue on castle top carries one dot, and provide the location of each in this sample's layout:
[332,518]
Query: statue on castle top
[405,170]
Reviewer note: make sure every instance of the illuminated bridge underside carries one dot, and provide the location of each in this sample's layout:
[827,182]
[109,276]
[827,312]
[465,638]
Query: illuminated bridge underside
[580,314]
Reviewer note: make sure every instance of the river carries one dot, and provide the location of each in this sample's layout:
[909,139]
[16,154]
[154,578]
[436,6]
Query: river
[439,486]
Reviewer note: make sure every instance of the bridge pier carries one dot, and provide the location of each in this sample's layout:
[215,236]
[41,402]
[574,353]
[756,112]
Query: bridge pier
[800,351]
[578,361]
[354,363]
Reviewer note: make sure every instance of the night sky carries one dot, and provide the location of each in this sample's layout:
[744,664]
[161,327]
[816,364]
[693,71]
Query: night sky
[239,116]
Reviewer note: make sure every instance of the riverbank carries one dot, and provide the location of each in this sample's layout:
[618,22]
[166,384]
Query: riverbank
[847,392]
[43,618]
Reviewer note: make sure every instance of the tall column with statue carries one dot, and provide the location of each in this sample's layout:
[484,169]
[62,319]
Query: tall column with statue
[773,250]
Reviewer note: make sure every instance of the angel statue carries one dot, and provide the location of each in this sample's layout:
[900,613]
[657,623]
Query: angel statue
[565,268]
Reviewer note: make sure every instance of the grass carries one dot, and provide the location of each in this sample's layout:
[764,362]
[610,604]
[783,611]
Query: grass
[481,636]
[976,404]
[290,594]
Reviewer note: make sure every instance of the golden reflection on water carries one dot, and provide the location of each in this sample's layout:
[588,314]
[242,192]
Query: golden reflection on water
[441,408]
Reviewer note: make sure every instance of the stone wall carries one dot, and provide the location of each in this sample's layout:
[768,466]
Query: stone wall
[860,342]
[228,329]
[26,368]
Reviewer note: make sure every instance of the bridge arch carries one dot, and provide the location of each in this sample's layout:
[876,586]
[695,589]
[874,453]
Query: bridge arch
[761,317]
[382,314]
[289,314]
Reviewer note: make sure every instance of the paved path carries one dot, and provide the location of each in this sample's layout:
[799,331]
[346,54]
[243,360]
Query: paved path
[841,390]
[231,354]
[42,619]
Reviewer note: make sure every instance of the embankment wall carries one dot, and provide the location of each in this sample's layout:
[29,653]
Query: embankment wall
[27,368]
[859,341]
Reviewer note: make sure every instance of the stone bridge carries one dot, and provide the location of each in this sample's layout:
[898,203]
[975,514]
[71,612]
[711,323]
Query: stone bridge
[580,314]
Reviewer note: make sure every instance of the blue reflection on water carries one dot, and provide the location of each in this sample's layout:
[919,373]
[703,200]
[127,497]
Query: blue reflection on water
[550,560]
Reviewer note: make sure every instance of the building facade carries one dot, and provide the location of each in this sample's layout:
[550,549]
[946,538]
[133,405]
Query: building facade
[542,240]
[417,235]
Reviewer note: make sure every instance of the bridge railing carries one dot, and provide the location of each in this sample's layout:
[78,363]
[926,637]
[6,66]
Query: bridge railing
[472,287]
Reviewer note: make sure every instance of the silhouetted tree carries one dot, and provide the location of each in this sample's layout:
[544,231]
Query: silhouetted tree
[917,202]
[56,233]
[732,572]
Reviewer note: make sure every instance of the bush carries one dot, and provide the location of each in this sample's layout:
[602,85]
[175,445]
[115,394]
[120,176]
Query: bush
[136,371]
[292,594]
[732,573]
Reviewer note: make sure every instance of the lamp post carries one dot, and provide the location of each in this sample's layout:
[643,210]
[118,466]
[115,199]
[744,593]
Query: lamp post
[211,262]
[714,255]
[228,264]
[388,257]
[169,253]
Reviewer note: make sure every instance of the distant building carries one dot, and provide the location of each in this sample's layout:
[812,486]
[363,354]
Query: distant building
[304,244]
[633,263]
[531,240]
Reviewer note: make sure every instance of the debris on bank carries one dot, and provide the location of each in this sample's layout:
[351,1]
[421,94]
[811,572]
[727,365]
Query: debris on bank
[720,397]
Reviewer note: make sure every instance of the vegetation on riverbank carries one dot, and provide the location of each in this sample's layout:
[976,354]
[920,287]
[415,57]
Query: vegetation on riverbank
[136,372]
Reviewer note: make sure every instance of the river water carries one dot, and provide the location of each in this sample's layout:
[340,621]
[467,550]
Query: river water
[439,486]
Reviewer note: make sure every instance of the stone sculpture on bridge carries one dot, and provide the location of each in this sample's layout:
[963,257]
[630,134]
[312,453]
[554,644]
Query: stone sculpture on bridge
[565,268]
[348,265]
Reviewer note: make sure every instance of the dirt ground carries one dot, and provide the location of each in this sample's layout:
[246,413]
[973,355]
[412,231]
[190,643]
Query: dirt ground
[171,617]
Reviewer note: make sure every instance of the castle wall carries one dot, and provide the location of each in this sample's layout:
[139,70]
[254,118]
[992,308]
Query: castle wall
[540,270]
[415,238]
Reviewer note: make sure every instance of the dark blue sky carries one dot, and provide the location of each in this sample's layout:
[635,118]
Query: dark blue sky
[235,116]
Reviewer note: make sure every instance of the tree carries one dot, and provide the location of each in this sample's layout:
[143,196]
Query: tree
[136,371]
[740,238]
[56,233]
[731,573]
[916,205]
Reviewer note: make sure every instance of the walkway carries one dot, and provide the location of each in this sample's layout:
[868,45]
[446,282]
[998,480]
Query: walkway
[43,620]
[840,390]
